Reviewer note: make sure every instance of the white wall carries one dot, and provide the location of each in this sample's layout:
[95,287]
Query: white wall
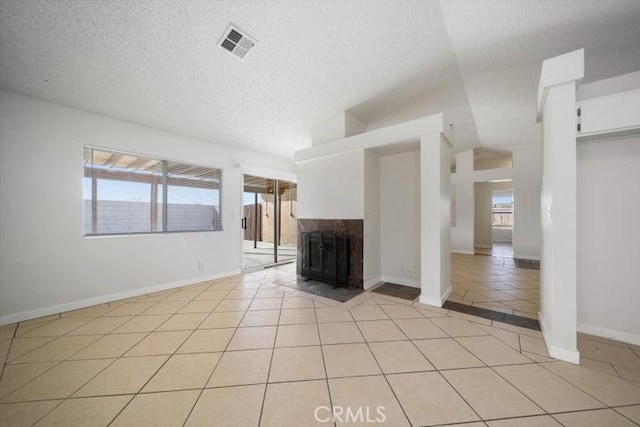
[496,162]
[527,187]
[400,218]
[46,265]
[339,126]
[608,238]
[502,235]
[556,109]
[372,227]
[484,233]
[353,125]
[332,187]
[331,183]
[558,307]
[435,219]
[329,130]
[462,233]
[482,215]
[526,176]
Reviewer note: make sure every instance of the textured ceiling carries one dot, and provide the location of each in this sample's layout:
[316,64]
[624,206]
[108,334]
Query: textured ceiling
[156,62]
[500,46]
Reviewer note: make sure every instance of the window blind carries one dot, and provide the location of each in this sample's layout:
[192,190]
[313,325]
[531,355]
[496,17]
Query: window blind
[125,193]
[193,197]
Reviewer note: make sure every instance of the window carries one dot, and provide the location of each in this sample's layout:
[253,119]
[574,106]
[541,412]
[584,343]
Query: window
[125,193]
[502,209]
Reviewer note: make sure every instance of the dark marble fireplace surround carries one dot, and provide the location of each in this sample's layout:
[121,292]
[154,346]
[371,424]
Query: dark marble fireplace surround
[353,228]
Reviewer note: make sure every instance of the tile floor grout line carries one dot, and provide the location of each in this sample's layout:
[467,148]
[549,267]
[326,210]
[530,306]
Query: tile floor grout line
[324,364]
[167,359]
[148,333]
[64,399]
[530,361]
[273,349]
[6,359]
[459,394]
[49,411]
[58,363]
[587,410]
[43,323]
[573,384]
[455,338]
[382,371]
[266,386]
[122,356]
[221,353]
[520,391]
[611,365]
[7,362]
[519,343]
[414,344]
[625,416]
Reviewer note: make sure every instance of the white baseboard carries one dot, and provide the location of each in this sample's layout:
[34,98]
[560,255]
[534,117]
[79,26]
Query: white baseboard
[371,283]
[527,257]
[458,251]
[75,305]
[414,283]
[609,333]
[560,353]
[435,301]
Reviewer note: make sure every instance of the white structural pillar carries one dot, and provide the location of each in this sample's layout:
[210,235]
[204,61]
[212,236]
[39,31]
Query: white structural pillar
[527,183]
[557,111]
[462,232]
[435,220]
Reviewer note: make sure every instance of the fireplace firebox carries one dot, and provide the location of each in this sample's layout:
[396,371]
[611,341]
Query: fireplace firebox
[325,257]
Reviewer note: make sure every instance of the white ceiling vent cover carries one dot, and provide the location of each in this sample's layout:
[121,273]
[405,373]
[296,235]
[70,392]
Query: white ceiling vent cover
[237,42]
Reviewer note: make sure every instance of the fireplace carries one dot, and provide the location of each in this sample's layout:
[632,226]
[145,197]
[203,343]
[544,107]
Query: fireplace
[352,230]
[325,257]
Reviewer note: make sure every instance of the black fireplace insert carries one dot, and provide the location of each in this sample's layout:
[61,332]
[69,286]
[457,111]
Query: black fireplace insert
[325,257]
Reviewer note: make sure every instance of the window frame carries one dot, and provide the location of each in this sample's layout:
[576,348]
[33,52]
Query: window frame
[164,160]
[493,212]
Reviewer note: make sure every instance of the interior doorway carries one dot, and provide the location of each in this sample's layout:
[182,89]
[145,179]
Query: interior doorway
[492,280]
[269,222]
[494,218]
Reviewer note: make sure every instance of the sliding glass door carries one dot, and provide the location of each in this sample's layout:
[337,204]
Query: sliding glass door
[287,221]
[268,221]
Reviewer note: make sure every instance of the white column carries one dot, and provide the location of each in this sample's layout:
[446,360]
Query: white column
[462,233]
[371,249]
[557,110]
[435,221]
[527,185]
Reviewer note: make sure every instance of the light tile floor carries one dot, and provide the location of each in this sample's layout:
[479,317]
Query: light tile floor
[494,282]
[497,249]
[244,351]
[263,254]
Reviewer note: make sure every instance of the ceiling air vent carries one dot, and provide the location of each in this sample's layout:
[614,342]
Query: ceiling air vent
[236,42]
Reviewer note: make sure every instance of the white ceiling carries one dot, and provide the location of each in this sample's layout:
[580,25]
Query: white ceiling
[156,62]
